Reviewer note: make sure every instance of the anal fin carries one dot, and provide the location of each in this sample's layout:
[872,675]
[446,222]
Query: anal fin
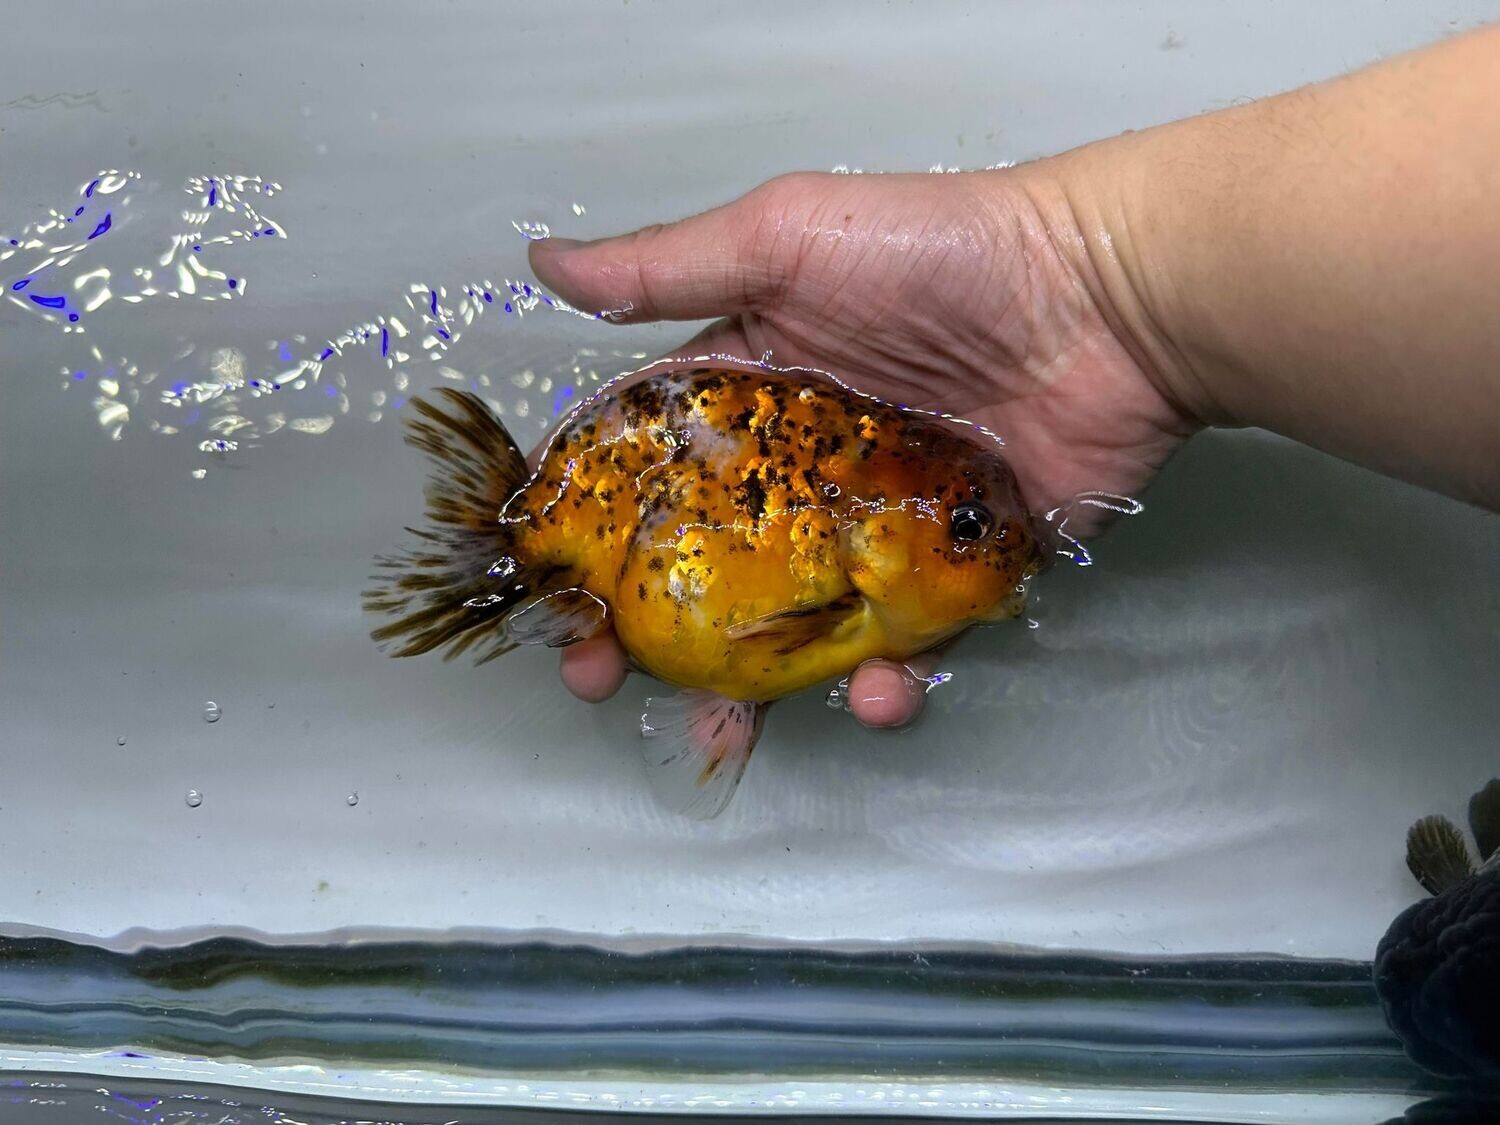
[1437,855]
[696,745]
[1484,820]
[792,629]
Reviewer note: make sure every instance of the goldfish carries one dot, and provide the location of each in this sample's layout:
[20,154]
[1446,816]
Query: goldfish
[1437,969]
[747,534]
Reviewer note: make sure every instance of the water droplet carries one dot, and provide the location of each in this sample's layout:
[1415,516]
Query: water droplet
[193,798]
[120,741]
[352,800]
[212,712]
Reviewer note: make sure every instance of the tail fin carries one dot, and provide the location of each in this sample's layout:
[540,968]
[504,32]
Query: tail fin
[456,587]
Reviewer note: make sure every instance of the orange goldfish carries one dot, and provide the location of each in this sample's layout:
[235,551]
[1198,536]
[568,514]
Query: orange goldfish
[747,533]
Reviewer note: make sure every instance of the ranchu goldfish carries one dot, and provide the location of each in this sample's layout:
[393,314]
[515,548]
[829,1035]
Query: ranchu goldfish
[747,533]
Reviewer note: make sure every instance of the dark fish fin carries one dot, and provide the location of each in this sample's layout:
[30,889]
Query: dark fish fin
[792,629]
[1437,855]
[455,588]
[697,744]
[1484,820]
[558,619]
[479,465]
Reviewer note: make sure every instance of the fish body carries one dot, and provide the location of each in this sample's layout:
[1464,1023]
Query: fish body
[747,534]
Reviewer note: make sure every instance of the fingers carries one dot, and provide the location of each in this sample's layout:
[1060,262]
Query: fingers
[594,669]
[882,693]
[723,261]
[887,695]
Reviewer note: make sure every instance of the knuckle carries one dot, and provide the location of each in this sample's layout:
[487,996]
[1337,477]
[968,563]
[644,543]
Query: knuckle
[793,185]
[646,235]
[769,231]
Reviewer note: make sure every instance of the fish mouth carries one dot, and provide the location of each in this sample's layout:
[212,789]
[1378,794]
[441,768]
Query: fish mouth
[1007,608]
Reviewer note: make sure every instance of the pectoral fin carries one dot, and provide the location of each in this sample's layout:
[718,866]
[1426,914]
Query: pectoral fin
[1437,855]
[557,619]
[792,629]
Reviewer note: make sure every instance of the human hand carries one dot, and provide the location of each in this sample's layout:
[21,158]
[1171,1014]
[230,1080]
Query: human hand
[967,294]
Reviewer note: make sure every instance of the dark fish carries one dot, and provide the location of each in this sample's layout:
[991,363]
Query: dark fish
[1437,970]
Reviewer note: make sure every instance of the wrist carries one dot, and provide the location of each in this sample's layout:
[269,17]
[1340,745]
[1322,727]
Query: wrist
[1104,205]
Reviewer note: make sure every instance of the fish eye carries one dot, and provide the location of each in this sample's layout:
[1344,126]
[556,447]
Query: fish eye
[970,522]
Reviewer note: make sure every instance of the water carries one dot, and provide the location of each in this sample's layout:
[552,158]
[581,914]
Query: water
[301,385]
[1211,749]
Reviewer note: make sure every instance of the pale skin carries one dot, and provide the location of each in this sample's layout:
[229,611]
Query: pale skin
[1324,264]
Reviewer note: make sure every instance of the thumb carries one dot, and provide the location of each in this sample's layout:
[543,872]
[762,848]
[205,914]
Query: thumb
[725,261]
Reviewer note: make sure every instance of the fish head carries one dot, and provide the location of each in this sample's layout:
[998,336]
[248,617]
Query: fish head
[949,543]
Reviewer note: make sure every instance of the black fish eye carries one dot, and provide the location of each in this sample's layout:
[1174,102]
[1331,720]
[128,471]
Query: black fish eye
[970,522]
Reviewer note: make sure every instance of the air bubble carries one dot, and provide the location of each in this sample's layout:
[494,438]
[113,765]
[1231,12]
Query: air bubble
[193,798]
[212,712]
[352,800]
[531,230]
[937,679]
[1074,550]
[838,696]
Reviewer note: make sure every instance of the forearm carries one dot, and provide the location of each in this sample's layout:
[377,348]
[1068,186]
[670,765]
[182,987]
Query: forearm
[1325,263]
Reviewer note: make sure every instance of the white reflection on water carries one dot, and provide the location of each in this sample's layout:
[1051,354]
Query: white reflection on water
[229,399]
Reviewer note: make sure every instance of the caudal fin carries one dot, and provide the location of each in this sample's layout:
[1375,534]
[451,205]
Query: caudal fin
[457,585]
